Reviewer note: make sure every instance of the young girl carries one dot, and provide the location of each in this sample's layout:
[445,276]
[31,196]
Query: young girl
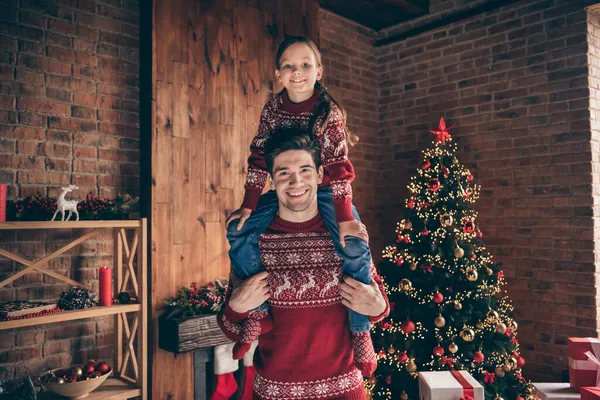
[304,102]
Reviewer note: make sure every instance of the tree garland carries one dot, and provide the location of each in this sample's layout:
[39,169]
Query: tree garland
[41,208]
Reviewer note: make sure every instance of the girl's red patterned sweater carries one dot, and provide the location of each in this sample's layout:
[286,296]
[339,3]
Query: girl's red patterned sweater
[308,354]
[339,173]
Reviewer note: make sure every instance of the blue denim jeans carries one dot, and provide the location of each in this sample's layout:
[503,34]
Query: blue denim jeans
[245,253]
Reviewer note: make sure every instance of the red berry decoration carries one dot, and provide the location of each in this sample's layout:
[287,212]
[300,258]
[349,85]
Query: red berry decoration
[407,326]
[388,380]
[102,367]
[520,362]
[403,357]
[399,261]
[438,350]
[411,203]
[438,297]
[426,164]
[478,357]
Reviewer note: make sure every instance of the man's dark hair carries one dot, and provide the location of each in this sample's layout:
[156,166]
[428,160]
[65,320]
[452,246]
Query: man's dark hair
[291,138]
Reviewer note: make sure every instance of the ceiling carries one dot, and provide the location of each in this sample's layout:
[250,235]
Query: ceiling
[377,14]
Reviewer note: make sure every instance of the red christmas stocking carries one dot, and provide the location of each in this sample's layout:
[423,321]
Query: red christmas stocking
[225,366]
[248,384]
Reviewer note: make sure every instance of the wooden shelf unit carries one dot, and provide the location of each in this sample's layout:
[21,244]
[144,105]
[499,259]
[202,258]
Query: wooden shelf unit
[121,386]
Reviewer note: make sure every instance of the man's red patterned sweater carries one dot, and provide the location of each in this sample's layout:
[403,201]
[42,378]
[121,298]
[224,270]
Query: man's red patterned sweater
[308,354]
[339,172]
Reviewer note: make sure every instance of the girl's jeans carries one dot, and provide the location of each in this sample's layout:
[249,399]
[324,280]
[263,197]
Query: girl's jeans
[245,253]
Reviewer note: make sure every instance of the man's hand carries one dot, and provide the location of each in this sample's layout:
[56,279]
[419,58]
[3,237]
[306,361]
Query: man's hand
[364,299]
[251,293]
[242,214]
[353,228]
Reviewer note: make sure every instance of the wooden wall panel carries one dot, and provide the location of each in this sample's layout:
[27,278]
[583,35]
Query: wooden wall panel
[213,71]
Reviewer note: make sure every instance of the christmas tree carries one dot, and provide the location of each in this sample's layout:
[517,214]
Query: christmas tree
[445,290]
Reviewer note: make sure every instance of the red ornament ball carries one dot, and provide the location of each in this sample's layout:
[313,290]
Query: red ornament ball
[407,326]
[519,398]
[433,185]
[388,380]
[520,362]
[438,297]
[478,234]
[478,357]
[426,164]
[469,227]
[403,357]
[88,369]
[399,261]
[469,177]
[438,350]
[102,367]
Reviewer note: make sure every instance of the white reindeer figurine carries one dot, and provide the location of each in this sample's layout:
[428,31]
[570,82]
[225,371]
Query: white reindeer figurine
[63,205]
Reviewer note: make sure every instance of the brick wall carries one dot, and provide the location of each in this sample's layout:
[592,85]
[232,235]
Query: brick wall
[593,39]
[350,75]
[68,115]
[515,81]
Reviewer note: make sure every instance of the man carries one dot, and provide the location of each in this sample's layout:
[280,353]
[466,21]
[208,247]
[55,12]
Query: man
[307,353]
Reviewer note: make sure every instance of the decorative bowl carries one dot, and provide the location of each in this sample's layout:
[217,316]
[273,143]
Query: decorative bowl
[76,390]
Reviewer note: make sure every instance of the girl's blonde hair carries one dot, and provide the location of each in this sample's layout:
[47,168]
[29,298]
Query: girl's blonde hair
[325,98]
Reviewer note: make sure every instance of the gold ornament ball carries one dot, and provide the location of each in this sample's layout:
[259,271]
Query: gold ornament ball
[411,366]
[453,348]
[403,396]
[408,225]
[507,367]
[467,334]
[492,317]
[439,321]
[413,266]
[499,371]
[498,398]
[512,362]
[405,285]
[455,160]
[391,350]
[446,220]
[501,328]
[471,274]
[489,271]
[458,305]
[479,325]
[459,253]
[514,326]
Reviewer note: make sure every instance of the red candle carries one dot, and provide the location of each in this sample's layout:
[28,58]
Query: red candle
[105,277]
[2,202]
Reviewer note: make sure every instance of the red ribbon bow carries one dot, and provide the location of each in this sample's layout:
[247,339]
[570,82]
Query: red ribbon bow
[442,134]
[429,268]
[489,377]
[447,360]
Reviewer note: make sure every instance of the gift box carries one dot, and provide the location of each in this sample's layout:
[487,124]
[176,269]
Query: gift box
[584,367]
[590,393]
[556,391]
[449,385]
